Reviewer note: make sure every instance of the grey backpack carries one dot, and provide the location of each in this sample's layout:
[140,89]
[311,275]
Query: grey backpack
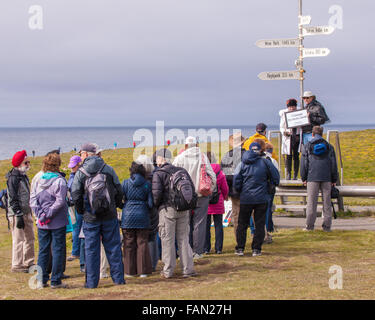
[97,191]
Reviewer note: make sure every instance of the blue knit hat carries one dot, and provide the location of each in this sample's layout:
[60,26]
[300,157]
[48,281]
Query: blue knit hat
[255,147]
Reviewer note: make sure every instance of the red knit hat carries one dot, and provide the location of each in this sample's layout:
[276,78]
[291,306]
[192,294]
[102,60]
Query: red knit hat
[18,158]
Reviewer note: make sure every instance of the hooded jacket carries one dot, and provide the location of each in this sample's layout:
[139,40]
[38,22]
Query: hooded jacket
[192,160]
[138,203]
[92,165]
[222,186]
[251,178]
[48,201]
[318,161]
[18,189]
[160,185]
[318,116]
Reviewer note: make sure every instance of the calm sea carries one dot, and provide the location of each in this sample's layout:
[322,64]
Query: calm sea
[42,140]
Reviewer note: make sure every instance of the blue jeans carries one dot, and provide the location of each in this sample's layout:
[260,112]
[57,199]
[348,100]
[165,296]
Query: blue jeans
[154,253]
[82,253]
[269,221]
[109,230]
[75,236]
[306,137]
[252,226]
[55,239]
[219,233]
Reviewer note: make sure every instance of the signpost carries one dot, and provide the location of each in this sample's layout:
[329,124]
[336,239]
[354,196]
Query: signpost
[303,30]
[279,75]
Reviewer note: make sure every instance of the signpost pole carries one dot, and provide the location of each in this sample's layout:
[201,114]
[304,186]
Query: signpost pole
[300,64]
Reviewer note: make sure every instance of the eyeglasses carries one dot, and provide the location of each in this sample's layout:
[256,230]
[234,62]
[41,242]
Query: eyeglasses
[305,98]
[27,162]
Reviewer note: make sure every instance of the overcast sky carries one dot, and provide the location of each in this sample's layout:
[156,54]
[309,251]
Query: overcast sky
[132,62]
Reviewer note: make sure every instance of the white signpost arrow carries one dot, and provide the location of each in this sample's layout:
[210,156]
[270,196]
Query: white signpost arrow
[317,30]
[279,75]
[277,43]
[302,20]
[315,52]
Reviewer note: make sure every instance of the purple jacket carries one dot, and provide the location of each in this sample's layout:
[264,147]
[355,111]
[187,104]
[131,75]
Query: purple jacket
[222,185]
[48,201]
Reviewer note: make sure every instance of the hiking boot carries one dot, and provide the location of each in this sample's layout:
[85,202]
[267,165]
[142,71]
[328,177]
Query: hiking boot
[164,276]
[197,256]
[82,269]
[71,258]
[268,238]
[59,286]
[239,252]
[219,252]
[20,270]
[256,253]
[189,275]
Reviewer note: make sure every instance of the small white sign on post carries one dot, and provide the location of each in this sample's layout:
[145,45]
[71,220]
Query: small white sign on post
[279,75]
[318,30]
[315,52]
[294,119]
[277,43]
[302,20]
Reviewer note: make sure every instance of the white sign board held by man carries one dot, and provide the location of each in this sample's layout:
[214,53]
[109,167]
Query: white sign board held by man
[296,119]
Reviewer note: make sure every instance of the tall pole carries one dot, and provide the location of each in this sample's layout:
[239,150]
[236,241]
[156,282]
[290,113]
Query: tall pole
[300,60]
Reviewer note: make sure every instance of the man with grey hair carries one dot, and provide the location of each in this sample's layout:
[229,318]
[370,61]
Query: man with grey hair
[100,224]
[316,113]
[173,225]
[193,160]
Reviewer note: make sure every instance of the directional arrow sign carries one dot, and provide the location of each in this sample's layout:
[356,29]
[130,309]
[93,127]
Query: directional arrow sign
[318,30]
[277,43]
[315,52]
[279,75]
[304,20]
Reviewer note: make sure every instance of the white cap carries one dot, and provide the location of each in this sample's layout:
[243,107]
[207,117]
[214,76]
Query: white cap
[190,140]
[307,94]
[98,150]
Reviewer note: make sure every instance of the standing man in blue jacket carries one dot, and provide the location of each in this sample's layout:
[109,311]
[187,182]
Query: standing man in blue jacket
[101,225]
[252,178]
[318,172]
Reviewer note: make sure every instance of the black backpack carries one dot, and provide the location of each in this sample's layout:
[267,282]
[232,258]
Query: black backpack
[97,191]
[215,196]
[182,195]
[4,199]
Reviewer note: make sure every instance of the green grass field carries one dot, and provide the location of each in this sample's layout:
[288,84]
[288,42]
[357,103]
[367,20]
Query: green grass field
[295,266]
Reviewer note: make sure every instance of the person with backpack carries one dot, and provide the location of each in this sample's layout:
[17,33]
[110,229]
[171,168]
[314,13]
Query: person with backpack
[253,178]
[174,195]
[216,207]
[48,201]
[229,163]
[19,213]
[318,172]
[199,168]
[96,193]
[135,222]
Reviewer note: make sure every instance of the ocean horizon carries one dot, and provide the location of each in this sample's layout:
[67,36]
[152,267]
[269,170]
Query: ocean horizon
[44,139]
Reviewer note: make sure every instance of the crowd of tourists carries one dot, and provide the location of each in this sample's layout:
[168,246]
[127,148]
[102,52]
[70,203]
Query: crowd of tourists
[168,205]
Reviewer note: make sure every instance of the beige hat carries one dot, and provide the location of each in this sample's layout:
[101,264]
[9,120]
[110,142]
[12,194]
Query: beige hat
[307,94]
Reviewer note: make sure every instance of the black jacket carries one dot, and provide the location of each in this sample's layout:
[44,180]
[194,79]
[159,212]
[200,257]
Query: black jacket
[18,189]
[318,161]
[92,165]
[318,116]
[160,185]
[154,216]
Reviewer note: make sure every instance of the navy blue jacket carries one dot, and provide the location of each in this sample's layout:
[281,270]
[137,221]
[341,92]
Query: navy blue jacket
[251,178]
[138,203]
[318,161]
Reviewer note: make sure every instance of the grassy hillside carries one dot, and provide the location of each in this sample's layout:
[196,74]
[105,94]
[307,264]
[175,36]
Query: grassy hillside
[357,147]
